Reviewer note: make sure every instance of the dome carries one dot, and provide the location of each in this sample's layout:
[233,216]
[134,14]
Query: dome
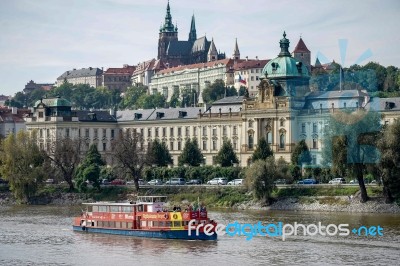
[53,102]
[285,67]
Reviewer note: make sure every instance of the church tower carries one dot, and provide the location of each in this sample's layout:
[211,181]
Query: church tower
[236,53]
[192,33]
[212,52]
[168,33]
[301,53]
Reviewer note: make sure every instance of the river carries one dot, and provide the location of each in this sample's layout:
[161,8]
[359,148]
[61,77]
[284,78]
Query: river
[42,235]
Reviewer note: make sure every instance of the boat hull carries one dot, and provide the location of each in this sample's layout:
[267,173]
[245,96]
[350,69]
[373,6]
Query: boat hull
[170,234]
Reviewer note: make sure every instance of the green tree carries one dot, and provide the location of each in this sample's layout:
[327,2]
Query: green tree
[22,165]
[216,91]
[263,150]
[158,153]
[357,130]
[191,154]
[90,169]
[226,156]
[389,145]
[260,177]
[301,154]
[151,101]
[174,101]
[132,95]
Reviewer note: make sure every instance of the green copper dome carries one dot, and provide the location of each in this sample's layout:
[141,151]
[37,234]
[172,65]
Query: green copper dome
[285,66]
[54,102]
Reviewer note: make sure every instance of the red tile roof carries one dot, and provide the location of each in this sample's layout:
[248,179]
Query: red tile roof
[227,62]
[120,70]
[301,47]
[251,63]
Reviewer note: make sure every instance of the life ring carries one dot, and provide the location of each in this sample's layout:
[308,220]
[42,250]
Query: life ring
[166,216]
[175,216]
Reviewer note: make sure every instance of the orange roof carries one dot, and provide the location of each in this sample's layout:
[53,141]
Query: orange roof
[301,47]
[251,63]
[227,62]
[120,70]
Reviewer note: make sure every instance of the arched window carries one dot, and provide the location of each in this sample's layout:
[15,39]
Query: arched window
[269,137]
[315,143]
[282,141]
[251,141]
[282,122]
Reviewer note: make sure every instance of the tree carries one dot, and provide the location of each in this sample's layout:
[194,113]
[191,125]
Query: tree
[132,94]
[357,131]
[389,166]
[22,165]
[151,101]
[226,155]
[263,150]
[191,154]
[131,155]
[158,154]
[217,90]
[260,178]
[90,169]
[65,156]
[301,154]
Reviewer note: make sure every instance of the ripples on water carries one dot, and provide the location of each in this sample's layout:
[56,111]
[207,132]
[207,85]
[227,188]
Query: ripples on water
[42,235]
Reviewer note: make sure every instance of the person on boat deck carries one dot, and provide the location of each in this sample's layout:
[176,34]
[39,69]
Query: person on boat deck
[174,209]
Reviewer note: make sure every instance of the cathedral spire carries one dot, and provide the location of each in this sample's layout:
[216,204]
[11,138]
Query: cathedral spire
[236,53]
[284,44]
[168,25]
[192,33]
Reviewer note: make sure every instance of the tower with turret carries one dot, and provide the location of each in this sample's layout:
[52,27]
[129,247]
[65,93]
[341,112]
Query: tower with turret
[301,53]
[168,33]
[236,53]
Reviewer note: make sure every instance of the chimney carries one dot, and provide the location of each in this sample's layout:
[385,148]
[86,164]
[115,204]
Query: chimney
[247,58]
[256,57]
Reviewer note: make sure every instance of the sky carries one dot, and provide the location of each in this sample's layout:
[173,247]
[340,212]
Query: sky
[41,39]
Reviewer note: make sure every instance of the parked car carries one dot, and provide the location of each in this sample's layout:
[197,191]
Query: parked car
[354,182]
[218,181]
[132,182]
[117,182]
[49,181]
[280,182]
[194,182]
[155,182]
[308,181]
[105,182]
[176,181]
[236,182]
[339,180]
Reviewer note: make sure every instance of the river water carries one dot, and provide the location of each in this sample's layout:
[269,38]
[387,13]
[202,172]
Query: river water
[42,235]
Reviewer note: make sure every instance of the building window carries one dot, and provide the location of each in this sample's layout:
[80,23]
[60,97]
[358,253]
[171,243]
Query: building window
[252,77]
[41,133]
[315,143]
[164,131]
[87,133]
[187,131]
[48,133]
[235,144]
[179,145]
[104,146]
[171,145]
[214,143]
[257,78]
[156,132]
[179,131]
[303,127]
[40,114]
[282,141]
[234,130]
[269,137]
[194,131]
[149,132]
[214,131]
[165,92]
[171,131]
[204,145]
[282,123]
[251,141]
[96,133]
[314,127]
[224,131]
[314,160]
[67,132]
[204,131]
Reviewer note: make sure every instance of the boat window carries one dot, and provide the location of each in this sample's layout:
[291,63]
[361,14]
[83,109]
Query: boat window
[114,208]
[117,224]
[130,225]
[102,208]
[161,224]
[95,209]
[177,224]
[126,209]
[140,208]
[168,224]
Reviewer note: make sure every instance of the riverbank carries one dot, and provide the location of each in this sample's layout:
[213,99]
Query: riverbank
[321,199]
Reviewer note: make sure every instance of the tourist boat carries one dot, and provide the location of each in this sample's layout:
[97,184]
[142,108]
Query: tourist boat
[147,217]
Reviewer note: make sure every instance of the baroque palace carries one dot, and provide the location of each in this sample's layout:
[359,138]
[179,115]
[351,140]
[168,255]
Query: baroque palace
[284,111]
